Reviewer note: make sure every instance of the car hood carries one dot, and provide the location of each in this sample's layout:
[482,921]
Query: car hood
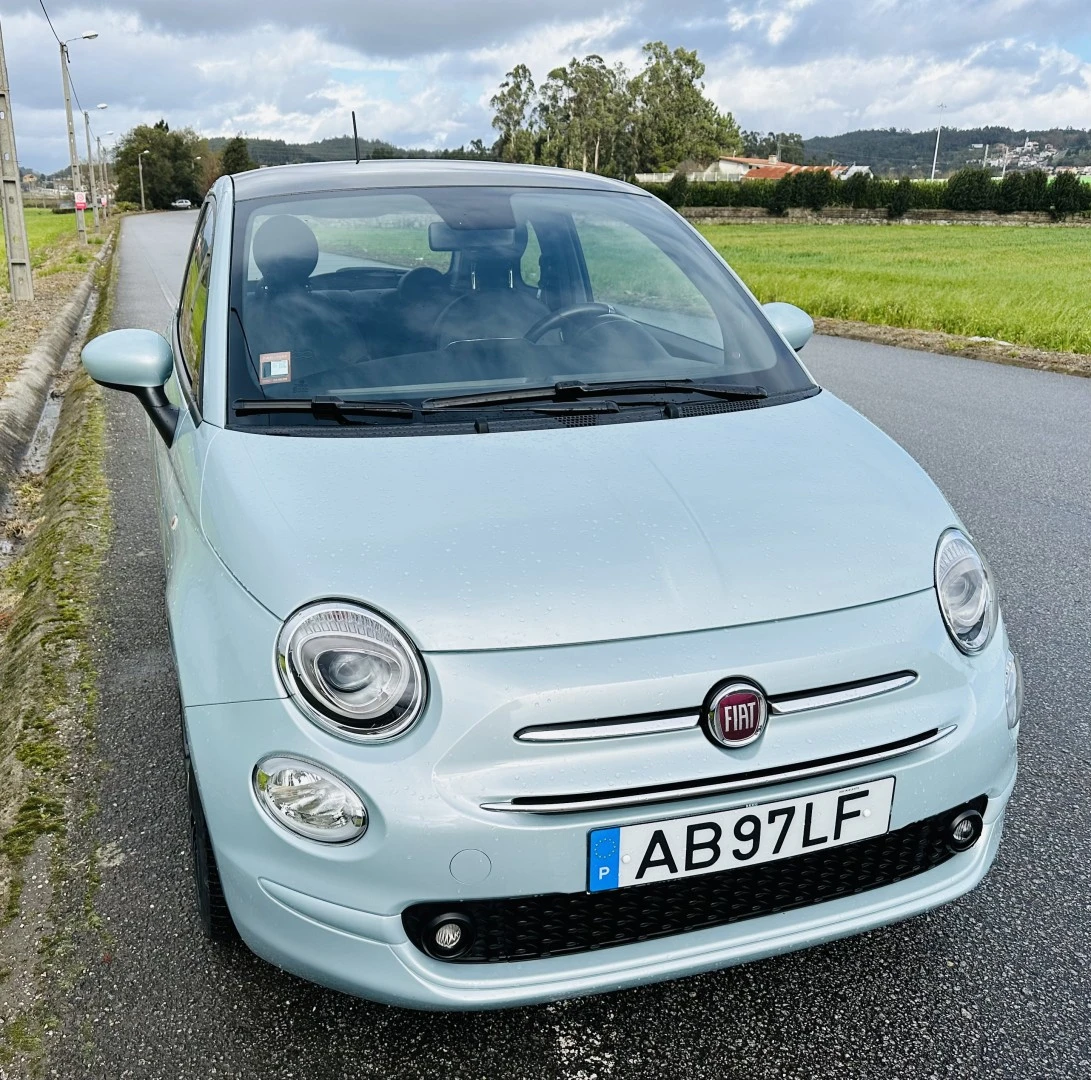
[552,537]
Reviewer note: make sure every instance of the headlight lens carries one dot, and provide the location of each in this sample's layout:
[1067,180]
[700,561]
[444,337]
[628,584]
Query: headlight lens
[1013,688]
[966,595]
[309,800]
[351,671]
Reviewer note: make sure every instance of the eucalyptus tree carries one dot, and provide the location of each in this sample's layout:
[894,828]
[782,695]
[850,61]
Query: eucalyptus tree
[675,120]
[513,115]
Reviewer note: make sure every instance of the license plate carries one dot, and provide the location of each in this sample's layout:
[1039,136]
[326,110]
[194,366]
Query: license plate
[702,844]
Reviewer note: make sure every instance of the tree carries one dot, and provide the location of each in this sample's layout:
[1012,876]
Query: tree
[582,112]
[785,145]
[170,166]
[674,118]
[512,109]
[235,156]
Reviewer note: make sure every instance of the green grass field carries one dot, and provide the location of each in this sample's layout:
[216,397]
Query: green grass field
[47,233]
[1028,286]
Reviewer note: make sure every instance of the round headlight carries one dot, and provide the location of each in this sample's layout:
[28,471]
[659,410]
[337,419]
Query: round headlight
[351,671]
[966,595]
[309,800]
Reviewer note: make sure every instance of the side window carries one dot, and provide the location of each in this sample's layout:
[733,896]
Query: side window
[529,265]
[191,321]
[628,270]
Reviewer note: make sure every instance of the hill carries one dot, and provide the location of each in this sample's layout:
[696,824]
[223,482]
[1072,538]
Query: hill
[890,151]
[279,152]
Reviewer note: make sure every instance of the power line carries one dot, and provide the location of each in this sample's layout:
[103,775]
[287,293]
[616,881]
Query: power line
[50,21]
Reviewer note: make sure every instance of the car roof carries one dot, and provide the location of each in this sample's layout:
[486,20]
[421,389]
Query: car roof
[328,176]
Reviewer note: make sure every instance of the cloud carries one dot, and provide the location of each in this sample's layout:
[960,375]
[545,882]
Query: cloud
[420,72]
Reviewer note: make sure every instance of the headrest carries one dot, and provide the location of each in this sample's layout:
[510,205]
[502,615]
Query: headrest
[285,251]
[421,283]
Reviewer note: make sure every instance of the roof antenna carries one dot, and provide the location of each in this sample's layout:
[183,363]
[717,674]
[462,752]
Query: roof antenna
[355,137]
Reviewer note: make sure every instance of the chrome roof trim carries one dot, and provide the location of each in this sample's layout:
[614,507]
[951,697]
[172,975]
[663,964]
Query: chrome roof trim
[583,730]
[720,786]
[787,704]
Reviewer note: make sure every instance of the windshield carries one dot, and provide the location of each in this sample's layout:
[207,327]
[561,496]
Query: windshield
[417,295]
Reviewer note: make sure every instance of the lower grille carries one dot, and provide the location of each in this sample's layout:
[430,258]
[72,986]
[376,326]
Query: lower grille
[557,924]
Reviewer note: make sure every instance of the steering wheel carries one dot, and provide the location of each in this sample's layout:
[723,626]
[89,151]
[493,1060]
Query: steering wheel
[558,318]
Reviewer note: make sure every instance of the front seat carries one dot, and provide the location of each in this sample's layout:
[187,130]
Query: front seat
[499,304]
[316,329]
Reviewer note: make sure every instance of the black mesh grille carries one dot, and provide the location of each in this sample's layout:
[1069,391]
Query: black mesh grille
[532,927]
[577,420]
[704,408]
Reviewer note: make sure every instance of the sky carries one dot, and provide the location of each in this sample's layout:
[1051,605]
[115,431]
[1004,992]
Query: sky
[420,72]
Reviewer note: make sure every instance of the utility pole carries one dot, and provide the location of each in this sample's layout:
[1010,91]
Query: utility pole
[15,228]
[140,169]
[985,157]
[935,156]
[91,170]
[102,179]
[81,228]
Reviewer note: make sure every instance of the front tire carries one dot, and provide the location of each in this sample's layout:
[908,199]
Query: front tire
[212,908]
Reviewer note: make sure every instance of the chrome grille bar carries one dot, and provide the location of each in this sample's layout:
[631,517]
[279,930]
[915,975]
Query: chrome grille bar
[684,719]
[582,730]
[698,789]
[786,704]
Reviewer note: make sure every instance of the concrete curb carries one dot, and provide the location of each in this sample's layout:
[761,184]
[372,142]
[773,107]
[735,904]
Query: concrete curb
[25,395]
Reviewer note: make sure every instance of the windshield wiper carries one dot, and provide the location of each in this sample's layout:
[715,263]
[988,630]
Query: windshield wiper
[571,391]
[332,408]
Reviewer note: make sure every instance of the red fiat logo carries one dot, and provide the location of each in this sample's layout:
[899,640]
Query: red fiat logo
[736,714]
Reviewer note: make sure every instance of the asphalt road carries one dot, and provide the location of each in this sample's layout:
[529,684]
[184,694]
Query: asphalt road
[997,984]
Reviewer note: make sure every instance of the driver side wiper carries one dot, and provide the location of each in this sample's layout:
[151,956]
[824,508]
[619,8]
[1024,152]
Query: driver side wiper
[570,391]
[333,408]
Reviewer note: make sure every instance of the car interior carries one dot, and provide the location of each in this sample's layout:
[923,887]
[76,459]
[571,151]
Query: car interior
[358,323]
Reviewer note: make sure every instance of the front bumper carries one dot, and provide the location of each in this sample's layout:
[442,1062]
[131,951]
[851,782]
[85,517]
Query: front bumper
[333,914]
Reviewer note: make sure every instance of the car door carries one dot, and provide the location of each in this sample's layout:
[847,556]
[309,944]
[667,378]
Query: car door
[179,466]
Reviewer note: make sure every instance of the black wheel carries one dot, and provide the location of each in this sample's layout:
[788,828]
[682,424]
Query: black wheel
[212,909]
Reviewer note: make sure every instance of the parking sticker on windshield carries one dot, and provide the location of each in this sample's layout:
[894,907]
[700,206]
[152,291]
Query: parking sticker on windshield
[275,367]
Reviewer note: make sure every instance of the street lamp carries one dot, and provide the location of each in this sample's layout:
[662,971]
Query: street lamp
[87,35]
[91,168]
[140,169]
[935,156]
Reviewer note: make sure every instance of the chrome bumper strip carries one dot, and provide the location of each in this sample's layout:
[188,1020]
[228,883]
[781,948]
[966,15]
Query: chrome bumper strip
[697,789]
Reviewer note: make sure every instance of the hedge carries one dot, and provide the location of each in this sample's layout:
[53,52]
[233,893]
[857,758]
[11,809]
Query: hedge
[968,189]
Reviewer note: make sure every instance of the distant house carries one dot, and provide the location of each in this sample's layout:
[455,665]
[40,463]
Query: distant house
[749,168]
[779,170]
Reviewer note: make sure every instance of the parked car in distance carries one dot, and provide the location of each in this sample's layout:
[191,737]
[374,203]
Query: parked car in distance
[541,627]
[181,204]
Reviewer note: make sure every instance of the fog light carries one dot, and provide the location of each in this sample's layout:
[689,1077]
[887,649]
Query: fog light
[448,937]
[309,800]
[965,831]
[1013,688]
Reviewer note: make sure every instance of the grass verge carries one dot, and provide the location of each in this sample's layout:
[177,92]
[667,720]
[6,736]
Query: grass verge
[1026,287]
[48,698]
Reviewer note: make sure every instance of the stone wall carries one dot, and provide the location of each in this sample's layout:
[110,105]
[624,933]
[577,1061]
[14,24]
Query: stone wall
[847,215]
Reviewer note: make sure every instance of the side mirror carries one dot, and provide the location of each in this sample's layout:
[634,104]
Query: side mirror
[138,362]
[794,323]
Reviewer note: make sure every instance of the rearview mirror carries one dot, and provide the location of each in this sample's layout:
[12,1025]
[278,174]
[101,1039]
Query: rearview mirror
[138,362]
[794,323]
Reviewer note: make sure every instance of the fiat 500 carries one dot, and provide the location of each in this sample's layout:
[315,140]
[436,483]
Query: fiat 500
[541,627]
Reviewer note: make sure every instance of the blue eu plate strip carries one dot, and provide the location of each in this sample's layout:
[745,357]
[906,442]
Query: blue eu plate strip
[603,860]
